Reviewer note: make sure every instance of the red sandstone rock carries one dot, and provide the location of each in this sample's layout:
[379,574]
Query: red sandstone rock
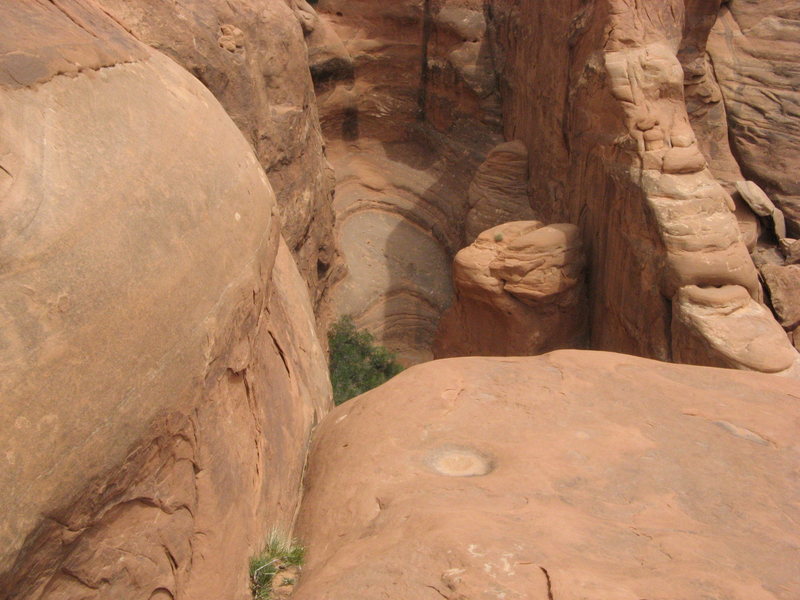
[499,191]
[409,110]
[519,291]
[251,55]
[160,373]
[783,283]
[571,475]
[755,48]
[616,152]
[725,327]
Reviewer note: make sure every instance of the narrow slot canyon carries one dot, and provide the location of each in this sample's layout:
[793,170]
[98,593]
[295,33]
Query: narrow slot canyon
[620,120]
[590,208]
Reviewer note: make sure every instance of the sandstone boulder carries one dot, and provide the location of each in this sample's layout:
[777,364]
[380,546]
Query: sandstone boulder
[519,291]
[160,374]
[762,206]
[571,475]
[783,284]
[725,327]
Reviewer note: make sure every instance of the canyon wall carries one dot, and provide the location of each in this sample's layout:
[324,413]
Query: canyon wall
[596,91]
[409,109]
[160,372]
[754,48]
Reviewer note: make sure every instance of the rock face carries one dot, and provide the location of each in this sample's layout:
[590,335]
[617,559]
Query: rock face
[160,373]
[519,291]
[499,191]
[755,49]
[570,475]
[725,327]
[409,109]
[614,150]
[252,56]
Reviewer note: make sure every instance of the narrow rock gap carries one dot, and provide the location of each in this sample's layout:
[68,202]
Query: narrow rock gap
[424,72]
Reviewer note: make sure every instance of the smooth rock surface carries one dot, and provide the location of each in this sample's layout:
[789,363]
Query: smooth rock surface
[725,327]
[252,56]
[160,374]
[571,475]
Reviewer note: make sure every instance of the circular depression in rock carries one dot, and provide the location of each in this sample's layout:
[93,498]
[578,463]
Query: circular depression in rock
[460,461]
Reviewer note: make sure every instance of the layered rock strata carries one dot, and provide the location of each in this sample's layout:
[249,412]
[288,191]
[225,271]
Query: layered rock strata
[252,56]
[160,372]
[409,110]
[569,475]
[519,291]
[616,153]
[499,191]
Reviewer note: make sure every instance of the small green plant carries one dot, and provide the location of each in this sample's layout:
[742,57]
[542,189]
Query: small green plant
[357,364]
[498,237]
[277,555]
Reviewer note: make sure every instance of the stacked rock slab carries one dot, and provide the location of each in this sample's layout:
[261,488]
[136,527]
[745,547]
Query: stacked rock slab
[571,475]
[251,55]
[625,164]
[160,374]
[519,291]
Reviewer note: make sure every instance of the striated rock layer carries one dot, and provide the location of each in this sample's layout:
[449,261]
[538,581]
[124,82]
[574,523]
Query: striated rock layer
[160,373]
[499,191]
[755,49]
[570,475]
[409,109]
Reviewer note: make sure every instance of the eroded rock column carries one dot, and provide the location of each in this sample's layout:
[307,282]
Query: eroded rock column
[626,166]
[519,291]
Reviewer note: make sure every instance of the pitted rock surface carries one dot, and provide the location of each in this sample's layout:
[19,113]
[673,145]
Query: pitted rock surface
[614,477]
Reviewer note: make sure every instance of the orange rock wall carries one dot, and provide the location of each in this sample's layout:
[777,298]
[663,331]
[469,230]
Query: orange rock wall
[409,109]
[596,91]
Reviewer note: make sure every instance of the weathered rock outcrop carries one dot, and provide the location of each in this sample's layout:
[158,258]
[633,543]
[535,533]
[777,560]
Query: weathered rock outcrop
[251,55]
[159,376]
[409,110]
[570,475]
[519,291]
[614,151]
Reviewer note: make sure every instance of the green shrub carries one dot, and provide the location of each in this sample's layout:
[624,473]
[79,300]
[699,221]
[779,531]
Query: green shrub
[357,365]
[278,554]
